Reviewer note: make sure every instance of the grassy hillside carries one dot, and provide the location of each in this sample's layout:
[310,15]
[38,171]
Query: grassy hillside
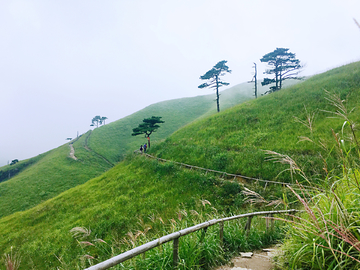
[110,206]
[54,172]
[233,140]
[10,171]
[115,140]
[137,189]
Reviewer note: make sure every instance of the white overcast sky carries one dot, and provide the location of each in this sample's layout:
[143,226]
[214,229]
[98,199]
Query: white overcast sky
[63,62]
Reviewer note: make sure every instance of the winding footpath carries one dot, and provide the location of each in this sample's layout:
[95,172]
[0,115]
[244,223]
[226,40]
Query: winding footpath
[72,151]
[257,260]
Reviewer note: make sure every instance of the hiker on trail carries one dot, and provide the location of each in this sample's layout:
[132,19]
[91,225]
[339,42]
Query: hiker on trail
[141,149]
[145,146]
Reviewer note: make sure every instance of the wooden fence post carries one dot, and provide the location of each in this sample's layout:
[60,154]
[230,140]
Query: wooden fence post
[267,222]
[272,221]
[248,225]
[221,233]
[176,253]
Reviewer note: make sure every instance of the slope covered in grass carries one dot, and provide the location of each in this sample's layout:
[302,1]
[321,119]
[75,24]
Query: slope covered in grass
[110,206]
[114,140]
[97,151]
[233,140]
[53,173]
[9,171]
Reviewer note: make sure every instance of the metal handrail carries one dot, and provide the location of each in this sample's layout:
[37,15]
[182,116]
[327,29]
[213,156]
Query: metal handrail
[176,235]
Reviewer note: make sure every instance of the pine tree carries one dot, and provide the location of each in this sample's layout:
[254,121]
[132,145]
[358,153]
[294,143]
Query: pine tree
[148,126]
[213,77]
[283,65]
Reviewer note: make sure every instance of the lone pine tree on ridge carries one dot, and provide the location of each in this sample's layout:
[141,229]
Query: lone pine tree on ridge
[148,126]
[213,79]
[283,65]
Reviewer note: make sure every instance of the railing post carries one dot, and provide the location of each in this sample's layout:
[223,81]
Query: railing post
[248,225]
[176,253]
[272,221]
[221,233]
[267,222]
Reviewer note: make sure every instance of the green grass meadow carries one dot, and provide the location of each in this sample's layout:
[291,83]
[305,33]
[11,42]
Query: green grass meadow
[51,173]
[139,199]
[234,140]
[110,205]
[113,141]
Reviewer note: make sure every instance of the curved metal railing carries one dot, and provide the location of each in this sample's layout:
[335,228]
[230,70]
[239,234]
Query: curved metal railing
[176,235]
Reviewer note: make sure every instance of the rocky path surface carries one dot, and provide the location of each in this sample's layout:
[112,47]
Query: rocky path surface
[257,260]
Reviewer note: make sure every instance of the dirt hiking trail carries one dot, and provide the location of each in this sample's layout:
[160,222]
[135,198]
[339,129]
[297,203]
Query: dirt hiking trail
[72,152]
[257,260]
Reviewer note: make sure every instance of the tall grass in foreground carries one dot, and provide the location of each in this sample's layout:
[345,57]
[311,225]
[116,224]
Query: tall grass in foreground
[199,250]
[12,261]
[327,235]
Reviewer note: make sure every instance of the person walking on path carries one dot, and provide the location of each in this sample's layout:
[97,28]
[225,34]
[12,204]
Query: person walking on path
[145,147]
[141,149]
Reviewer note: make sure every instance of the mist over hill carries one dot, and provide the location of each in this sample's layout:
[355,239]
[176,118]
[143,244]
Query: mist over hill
[229,97]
